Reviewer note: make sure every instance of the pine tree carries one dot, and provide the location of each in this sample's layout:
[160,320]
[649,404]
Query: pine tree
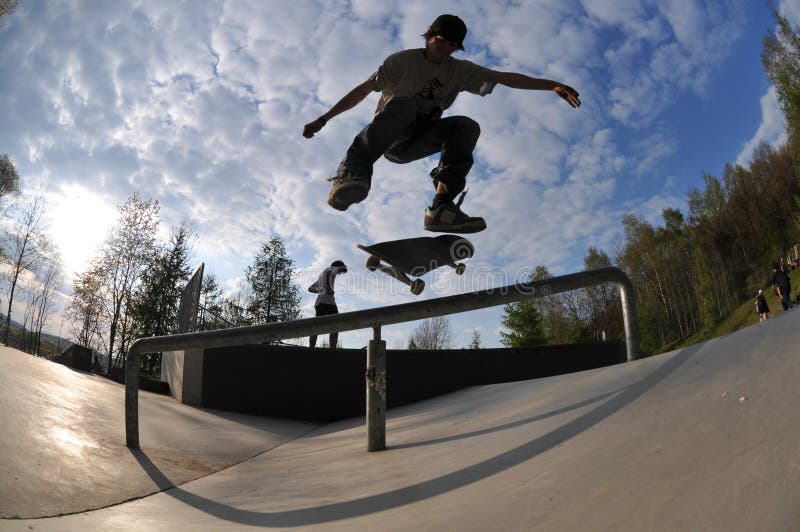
[476,340]
[524,324]
[154,303]
[273,295]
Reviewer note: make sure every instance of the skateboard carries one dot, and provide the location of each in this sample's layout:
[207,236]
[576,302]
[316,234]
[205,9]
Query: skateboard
[417,256]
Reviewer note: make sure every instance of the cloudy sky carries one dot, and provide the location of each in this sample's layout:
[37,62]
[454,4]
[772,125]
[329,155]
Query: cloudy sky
[200,105]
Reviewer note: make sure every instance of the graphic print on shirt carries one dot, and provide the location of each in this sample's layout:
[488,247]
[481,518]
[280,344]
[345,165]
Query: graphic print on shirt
[431,90]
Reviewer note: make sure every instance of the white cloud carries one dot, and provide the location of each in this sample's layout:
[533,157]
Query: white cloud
[652,209]
[772,129]
[700,36]
[653,149]
[201,106]
[791,10]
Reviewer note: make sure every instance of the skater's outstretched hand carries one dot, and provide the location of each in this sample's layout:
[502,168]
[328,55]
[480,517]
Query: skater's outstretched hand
[350,100]
[313,127]
[569,94]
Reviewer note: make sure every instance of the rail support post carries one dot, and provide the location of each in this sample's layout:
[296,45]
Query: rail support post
[131,398]
[376,393]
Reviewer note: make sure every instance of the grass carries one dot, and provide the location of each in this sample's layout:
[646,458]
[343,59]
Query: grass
[741,317]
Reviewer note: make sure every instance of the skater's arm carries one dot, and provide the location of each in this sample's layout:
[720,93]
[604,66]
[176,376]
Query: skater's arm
[350,100]
[521,81]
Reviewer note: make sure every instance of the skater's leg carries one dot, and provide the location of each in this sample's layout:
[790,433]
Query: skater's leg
[353,177]
[455,137]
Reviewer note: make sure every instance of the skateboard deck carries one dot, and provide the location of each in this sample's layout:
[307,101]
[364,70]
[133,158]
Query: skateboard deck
[417,256]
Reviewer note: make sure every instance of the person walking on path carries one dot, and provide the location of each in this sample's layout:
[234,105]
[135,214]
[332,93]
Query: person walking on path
[762,309]
[781,285]
[416,86]
[325,304]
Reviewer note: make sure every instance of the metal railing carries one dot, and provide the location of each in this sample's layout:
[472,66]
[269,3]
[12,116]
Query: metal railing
[375,318]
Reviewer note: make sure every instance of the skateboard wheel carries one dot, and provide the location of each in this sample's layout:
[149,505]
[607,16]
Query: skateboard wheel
[417,286]
[372,263]
[460,269]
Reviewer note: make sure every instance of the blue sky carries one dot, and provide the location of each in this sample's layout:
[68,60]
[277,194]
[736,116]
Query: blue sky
[201,106]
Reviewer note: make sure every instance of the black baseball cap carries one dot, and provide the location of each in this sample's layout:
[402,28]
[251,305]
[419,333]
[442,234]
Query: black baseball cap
[450,27]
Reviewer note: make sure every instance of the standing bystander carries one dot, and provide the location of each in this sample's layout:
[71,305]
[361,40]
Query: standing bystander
[325,303]
[781,285]
[762,309]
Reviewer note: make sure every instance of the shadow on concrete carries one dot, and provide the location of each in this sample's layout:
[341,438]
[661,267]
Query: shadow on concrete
[437,486]
[507,426]
[152,470]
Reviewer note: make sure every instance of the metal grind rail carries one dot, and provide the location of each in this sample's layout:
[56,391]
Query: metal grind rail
[375,318]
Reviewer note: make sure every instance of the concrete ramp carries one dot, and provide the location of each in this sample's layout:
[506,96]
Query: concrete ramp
[62,444]
[704,438]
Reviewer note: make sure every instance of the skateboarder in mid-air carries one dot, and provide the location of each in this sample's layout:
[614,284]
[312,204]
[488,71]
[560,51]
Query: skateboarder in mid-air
[416,86]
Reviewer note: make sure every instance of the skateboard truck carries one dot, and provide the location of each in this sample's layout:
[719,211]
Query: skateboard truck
[417,256]
[374,263]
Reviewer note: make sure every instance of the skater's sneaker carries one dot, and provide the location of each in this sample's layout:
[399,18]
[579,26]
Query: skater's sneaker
[447,217]
[347,190]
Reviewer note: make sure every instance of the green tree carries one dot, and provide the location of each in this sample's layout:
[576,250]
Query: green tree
[561,313]
[781,59]
[273,295]
[155,301]
[602,307]
[475,343]
[523,320]
[9,179]
[126,253]
[157,296]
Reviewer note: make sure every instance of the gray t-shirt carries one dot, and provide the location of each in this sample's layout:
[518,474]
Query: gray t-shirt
[325,294]
[436,85]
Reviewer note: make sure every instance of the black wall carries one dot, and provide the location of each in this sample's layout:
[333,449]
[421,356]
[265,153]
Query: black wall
[324,385]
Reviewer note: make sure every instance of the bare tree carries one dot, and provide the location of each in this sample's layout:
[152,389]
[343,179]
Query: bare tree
[126,253]
[85,307]
[50,278]
[27,292]
[27,240]
[212,305]
[435,333]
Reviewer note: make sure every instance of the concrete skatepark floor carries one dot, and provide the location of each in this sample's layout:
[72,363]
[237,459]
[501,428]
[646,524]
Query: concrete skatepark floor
[703,438]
